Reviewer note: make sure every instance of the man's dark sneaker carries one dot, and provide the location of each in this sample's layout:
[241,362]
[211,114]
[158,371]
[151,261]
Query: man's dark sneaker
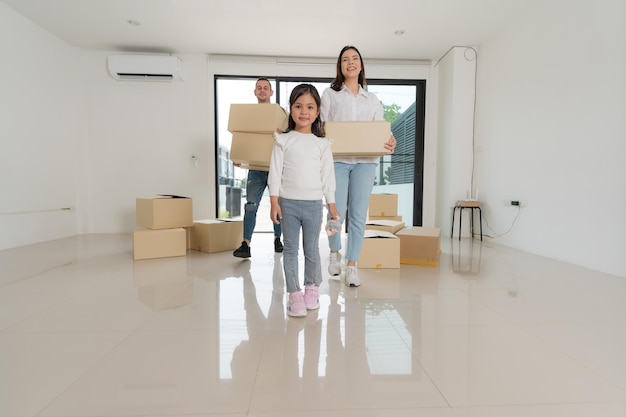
[242,251]
[278,246]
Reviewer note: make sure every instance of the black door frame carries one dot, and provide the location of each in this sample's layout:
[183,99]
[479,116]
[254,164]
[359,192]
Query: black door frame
[420,118]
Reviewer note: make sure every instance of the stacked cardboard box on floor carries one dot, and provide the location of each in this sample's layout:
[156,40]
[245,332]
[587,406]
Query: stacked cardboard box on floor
[164,219]
[419,245]
[216,235]
[391,226]
[253,127]
[383,207]
[415,245]
[381,248]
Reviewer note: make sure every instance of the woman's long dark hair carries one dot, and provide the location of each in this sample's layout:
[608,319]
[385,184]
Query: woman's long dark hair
[337,83]
[317,128]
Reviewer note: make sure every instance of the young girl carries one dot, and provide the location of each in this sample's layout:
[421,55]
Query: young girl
[301,173]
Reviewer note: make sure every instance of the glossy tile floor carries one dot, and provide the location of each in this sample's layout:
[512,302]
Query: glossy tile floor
[491,332]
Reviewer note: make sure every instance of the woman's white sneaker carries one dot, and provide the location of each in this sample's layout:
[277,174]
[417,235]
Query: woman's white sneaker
[334,265]
[352,277]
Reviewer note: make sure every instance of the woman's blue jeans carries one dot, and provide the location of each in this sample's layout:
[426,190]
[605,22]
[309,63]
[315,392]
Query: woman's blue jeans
[354,186]
[306,215]
[255,186]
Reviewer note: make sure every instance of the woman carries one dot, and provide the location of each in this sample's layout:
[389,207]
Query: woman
[347,100]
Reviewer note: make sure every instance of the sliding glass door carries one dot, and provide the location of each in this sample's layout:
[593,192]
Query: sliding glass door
[231,180]
[400,173]
[403,172]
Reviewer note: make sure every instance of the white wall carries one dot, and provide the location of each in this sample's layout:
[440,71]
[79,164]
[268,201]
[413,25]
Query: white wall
[73,137]
[456,76]
[41,127]
[551,131]
[142,137]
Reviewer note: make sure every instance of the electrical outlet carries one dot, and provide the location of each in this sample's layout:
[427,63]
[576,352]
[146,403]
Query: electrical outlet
[515,203]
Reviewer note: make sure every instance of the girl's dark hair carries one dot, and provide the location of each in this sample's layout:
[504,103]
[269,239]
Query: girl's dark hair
[317,127]
[339,78]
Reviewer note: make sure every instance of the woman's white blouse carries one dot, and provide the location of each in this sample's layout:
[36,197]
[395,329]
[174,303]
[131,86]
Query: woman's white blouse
[343,106]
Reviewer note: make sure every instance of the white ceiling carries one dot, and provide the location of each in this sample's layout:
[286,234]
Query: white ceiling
[285,28]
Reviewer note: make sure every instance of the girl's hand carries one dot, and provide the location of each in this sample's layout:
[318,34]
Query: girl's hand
[276,214]
[390,145]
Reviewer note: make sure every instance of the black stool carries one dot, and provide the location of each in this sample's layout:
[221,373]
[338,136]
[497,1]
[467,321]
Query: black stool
[473,205]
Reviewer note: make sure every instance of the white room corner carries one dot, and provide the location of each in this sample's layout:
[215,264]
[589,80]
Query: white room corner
[550,133]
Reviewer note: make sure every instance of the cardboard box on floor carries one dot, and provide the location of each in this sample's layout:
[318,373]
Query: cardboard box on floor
[394,218]
[252,150]
[419,245]
[358,138]
[380,250]
[188,237]
[159,243]
[164,212]
[390,226]
[216,235]
[257,118]
[383,205]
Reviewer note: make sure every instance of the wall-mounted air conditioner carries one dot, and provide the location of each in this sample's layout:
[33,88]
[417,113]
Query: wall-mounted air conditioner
[145,67]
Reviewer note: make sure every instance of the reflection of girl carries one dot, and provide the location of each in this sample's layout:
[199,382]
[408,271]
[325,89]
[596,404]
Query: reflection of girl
[301,173]
[347,100]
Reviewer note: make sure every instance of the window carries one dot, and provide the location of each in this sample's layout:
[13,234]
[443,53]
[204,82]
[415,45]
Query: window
[400,173]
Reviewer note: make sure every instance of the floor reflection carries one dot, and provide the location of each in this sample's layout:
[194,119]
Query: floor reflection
[163,283]
[491,331]
[466,256]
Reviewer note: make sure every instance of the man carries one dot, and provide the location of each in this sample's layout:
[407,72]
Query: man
[255,187]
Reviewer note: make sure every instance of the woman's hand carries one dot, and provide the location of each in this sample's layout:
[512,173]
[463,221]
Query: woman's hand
[332,210]
[390,145]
